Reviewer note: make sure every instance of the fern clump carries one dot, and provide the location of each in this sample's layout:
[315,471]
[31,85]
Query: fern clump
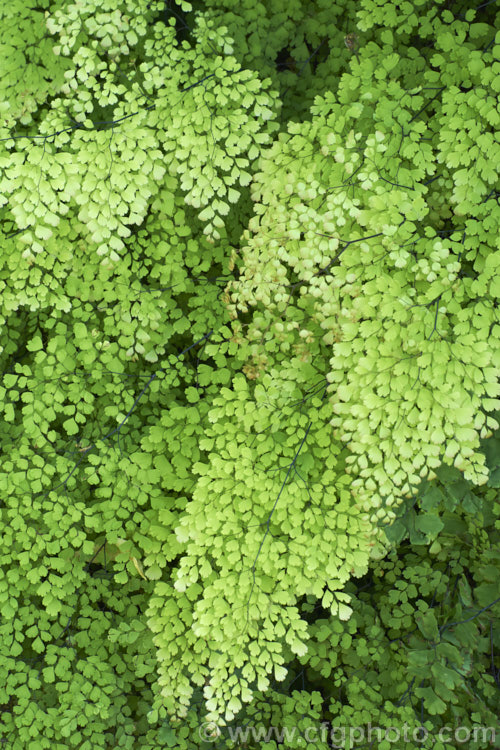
[249,357]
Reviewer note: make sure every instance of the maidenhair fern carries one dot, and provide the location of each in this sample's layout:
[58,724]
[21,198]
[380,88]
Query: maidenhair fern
[249,368]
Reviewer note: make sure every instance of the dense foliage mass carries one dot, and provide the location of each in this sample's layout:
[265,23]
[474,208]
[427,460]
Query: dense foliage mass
[249,359]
